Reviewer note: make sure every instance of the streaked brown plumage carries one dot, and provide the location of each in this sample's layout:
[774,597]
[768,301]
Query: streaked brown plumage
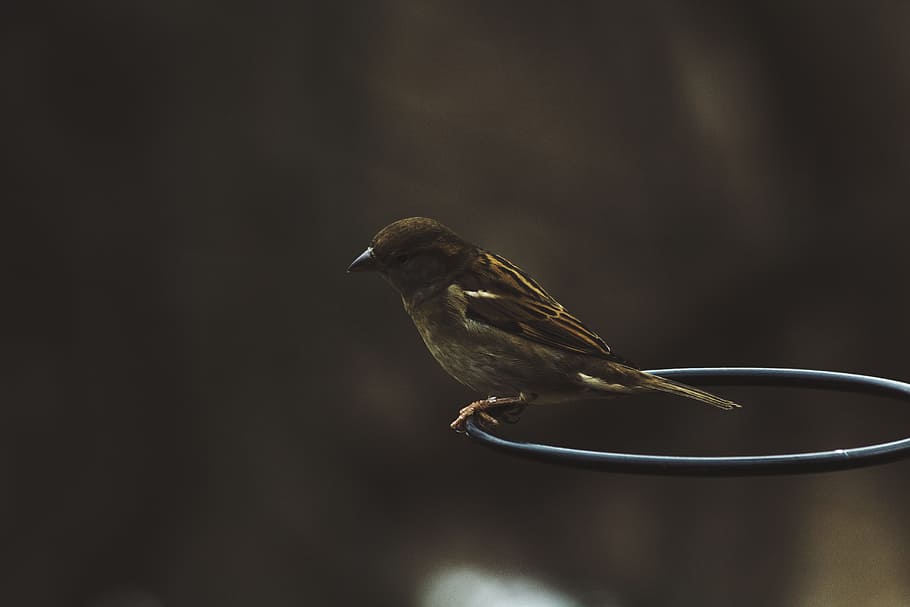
[495,329]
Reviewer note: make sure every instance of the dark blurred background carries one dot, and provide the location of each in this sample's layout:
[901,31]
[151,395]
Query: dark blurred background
[201,408]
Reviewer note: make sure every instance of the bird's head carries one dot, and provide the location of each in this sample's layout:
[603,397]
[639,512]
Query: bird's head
[415,255]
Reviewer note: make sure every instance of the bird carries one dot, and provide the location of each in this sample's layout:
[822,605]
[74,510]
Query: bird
[495,329]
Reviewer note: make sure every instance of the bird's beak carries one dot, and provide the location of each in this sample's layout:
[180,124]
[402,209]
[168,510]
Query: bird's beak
[365,261]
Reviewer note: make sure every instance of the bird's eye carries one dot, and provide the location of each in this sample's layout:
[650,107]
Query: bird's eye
[401,257]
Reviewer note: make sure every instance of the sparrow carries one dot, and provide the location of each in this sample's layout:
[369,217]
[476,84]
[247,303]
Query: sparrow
[496,330]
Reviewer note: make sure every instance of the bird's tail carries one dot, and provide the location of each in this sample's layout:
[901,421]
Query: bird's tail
[662,384]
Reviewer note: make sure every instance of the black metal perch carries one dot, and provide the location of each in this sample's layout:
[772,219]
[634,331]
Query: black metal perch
[742,465]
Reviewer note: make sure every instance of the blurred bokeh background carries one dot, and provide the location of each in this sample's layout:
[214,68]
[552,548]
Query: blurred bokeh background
[201,408]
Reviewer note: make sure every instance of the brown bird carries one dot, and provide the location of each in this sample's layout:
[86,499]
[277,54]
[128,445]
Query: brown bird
[495,329]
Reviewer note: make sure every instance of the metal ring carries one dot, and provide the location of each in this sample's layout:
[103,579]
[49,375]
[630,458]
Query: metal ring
[743,465]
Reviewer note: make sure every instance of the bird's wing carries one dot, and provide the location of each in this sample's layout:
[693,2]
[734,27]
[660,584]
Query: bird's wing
[500,294]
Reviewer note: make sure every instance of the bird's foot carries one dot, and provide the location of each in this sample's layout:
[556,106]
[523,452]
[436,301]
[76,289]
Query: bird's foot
[479,407]
[476,407]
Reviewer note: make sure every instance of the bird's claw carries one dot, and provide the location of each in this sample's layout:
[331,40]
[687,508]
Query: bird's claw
[477,407]
[466,412]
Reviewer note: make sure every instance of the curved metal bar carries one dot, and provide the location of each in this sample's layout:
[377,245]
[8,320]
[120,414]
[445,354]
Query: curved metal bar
[742,465]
